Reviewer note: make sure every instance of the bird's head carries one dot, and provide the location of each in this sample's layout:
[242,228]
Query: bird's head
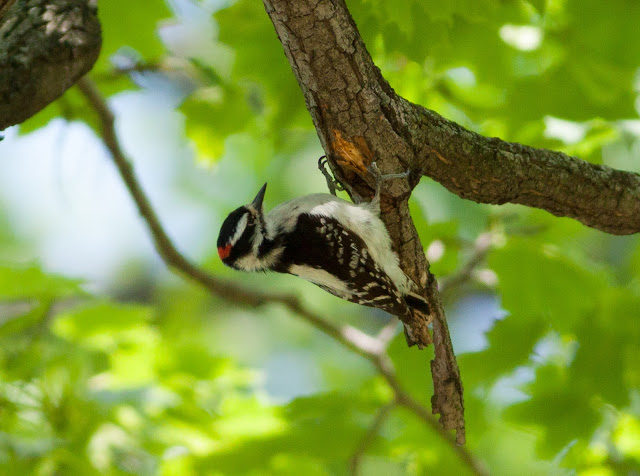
[242,233]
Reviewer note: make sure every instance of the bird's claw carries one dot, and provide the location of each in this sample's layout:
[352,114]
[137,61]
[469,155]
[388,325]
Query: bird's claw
[332,184]
[380,177]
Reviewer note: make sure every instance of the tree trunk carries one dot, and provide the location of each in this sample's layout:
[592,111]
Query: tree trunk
[45,47]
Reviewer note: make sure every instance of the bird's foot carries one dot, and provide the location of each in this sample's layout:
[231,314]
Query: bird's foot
[381,178]
[332,183]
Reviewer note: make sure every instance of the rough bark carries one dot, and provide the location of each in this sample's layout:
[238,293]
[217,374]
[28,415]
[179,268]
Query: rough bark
[489,170]
[352,104]
[5,5]
[359,118]
[45,47]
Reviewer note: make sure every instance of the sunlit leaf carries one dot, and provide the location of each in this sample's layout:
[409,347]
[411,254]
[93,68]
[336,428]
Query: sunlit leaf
[100,318]
[560,409]
[30,282]
[511,342]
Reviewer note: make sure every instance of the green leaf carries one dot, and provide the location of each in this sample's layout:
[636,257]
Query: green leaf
[599,365]
[540,5]
[211,118]
[259,58]
[12,326]
[618,311]
[413,367]
[536,281]
[100,318]
[130,24]
[446,233]
[30,282]
[318,429]
[558,408]
[567,401]
[511,342]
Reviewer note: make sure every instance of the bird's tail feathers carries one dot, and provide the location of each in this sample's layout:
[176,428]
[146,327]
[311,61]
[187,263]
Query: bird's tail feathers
[417,302]
[420,320]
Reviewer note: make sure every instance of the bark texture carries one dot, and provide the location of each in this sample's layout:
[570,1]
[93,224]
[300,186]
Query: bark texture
[5,5]
[352,105]
[45,47]
[489,170]
[359,119]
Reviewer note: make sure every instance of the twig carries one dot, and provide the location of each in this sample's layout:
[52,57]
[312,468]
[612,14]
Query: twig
[388,332]
[370,436]
[134,67]
[465,456]
[371,348]
[481,248]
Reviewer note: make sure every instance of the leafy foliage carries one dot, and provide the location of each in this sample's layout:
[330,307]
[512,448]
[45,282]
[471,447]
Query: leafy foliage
[147,374]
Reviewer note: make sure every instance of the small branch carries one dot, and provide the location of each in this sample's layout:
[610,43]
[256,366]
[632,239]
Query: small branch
[370,436]
[371,348]
[481,248]
[350,337]
[474,465]
[402,398]
[138,68]
[129,69]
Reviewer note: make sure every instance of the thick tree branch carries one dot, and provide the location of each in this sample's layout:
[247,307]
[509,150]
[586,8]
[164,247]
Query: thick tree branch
[45,46]
[359,119]
[489,170]
[358,116]
[372,348]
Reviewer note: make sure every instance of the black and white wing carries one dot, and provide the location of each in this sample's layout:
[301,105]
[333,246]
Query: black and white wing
[324,252]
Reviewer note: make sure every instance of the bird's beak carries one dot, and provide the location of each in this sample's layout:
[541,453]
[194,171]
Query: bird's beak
[257,202]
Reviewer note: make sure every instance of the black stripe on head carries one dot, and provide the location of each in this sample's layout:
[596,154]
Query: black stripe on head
[228,228]
[243,246]
[237,235]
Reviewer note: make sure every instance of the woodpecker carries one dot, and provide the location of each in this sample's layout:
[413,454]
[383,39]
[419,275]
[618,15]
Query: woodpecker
[342,247]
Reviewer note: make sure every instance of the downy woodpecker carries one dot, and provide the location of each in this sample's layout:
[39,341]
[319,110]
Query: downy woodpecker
[342,247]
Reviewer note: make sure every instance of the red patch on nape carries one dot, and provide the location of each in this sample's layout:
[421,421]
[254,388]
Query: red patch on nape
[223,251]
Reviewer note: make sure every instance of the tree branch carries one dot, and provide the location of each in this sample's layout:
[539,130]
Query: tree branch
[489,170]
[358,119]
[370,436]
[358,116]
[45,46]
[481,248]
[371,348]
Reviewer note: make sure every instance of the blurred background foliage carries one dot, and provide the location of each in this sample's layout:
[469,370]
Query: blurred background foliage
[111,365]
